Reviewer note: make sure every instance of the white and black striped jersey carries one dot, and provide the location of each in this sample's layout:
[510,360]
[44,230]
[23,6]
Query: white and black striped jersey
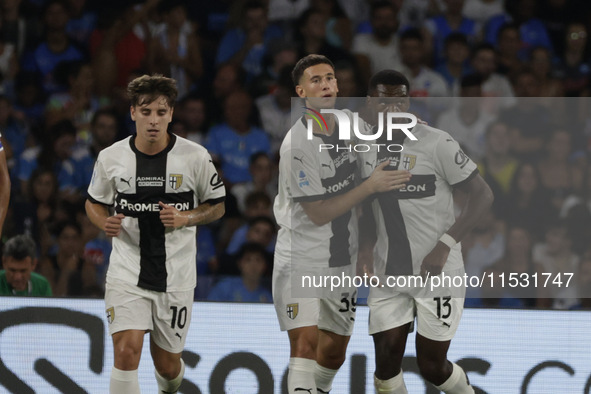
[307,174]
[182,175]
[411,220]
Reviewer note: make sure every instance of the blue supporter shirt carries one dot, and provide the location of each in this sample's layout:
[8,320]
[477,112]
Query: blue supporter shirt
[234,150]
[233,290]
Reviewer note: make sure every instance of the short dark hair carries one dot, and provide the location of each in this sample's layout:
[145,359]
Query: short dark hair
[412,34]
[252,247]
[106,111]
[377,5]
[307,62]
[262,219]
[20,247]
[147,88]
[485,46]
[255,156]
[456,38]
[254,197]
[470,80]
[388,77]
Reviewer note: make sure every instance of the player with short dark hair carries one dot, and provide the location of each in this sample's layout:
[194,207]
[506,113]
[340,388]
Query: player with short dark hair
[161,186]
[318,233]
[416,234]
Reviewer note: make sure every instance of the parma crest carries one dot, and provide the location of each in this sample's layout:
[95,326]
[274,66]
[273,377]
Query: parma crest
[175,180]
[292,310]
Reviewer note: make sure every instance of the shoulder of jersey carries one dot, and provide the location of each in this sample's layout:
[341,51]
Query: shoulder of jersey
[183,142]
[423,131]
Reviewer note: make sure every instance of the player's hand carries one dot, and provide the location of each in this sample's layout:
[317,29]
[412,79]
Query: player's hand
[171,217]
[382,180]
[113,225]
[433,263]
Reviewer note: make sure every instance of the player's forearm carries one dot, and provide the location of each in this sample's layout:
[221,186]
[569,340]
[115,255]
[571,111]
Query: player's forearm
[97,214]
[325,211]
[479,200]
[204,214]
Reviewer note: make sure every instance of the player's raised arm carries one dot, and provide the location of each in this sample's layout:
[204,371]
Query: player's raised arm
[381,180]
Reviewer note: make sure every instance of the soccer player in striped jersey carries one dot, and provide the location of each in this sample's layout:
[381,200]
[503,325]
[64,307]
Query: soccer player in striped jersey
[416,234]
[161,186]
[318,233]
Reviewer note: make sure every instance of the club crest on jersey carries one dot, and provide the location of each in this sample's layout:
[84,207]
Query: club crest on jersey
[175,180]
[111,314]
[409,161]
[292,310]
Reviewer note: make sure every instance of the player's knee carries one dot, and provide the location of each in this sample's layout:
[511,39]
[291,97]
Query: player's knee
[388,348]
[126,357]
[433,371]
[304,349]
[168,370]
[332,359]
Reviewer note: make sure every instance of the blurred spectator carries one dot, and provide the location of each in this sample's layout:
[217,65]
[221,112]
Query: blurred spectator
[261,170]
[415,13]
[484,62]
[248,287]
[498,165]
[280,55]
[380,47]
[528,203]
[540,63]
[574,68]
[456,55]
[193,112]
[274,110]
[56,47]
[15,133]
[481,11]
[508,50]
[258,205]
[482,247]
[236,139]
[82,21]
[29,99]
[558,175]
[311,35]
[437,28]
[54,153]
[557,14]
[228,78]
[528,121]
[34,214]
[245,46]
[64,269]
[466,121]
[555,257]
[259,229]
[350,86]
[176,52]
[532,31]
[115,49]
[79,103]
[8,65]
[104,128]
[19,259]
[583,278]
[16,28]
[424,82]
[97,250]
[338,25]
[516,260]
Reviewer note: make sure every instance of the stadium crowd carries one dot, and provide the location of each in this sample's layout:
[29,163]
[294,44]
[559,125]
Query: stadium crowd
[64,66]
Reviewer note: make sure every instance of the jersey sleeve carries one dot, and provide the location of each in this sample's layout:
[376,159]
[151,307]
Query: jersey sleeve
[304,176]
[209,185]
[101,190]
[451,162]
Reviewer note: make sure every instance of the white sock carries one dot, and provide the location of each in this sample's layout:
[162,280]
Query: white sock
[457,383]
[124,382]
[323,377]
[393,385]
[170,386]
[301,375]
